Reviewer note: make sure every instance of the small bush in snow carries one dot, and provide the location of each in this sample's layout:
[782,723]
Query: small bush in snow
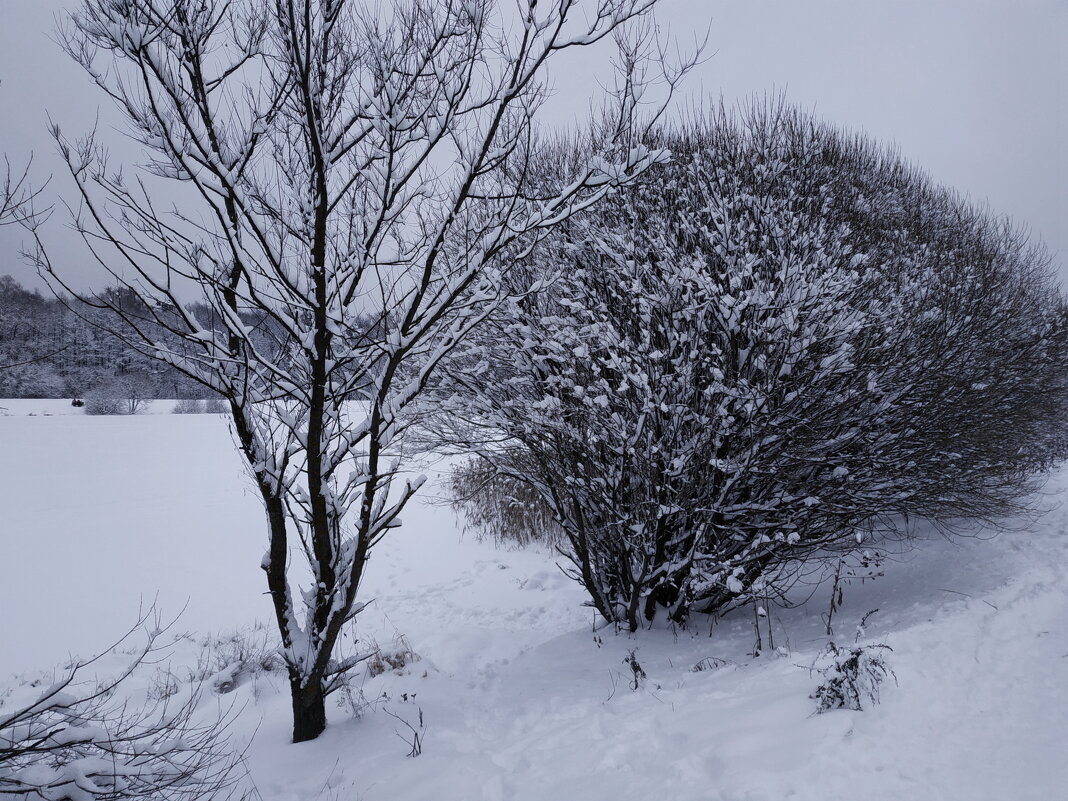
[125,395]
[188,406]
[709,663]
[853,676]
[134,405]
[99,405]
[229,661]
[396,659]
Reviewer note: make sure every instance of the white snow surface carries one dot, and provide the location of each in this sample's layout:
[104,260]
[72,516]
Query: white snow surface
[521,699]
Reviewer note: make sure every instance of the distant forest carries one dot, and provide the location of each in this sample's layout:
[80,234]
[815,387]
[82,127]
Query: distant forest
[59,348]
[51,350]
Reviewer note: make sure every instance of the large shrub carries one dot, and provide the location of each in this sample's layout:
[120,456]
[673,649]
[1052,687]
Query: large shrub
[780,341]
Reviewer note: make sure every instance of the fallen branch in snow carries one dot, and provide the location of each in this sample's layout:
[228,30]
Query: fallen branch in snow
[966,595]
[415,743]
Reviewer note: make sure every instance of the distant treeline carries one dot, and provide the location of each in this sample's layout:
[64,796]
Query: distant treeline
[58,348]
[51,350]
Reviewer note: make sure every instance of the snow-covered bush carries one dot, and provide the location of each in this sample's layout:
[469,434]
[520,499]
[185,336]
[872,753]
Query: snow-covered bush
[852,677]
[197,406]
[782,340]
[100,404]
[188,406]
[79,741]
[230,660]
[125,395]
[397,658]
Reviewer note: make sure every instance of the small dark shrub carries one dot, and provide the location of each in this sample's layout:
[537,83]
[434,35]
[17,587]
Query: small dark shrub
[637,672]
[853,676]
[709,663]
[416,734]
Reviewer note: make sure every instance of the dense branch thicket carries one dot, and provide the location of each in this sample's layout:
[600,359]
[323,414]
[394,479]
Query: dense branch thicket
[78,741]
[500,506]
[357,176]
[782,340]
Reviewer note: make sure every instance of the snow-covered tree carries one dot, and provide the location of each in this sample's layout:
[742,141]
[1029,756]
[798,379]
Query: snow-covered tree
[782,339]
[356,176]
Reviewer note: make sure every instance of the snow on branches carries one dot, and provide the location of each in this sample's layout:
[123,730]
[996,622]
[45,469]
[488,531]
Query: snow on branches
[353,179]
[783,338]
[77,741]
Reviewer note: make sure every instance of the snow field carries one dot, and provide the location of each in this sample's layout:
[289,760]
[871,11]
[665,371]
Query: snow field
[521,699]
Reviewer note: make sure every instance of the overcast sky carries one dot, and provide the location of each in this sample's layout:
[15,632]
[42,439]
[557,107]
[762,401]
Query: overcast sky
[975,91]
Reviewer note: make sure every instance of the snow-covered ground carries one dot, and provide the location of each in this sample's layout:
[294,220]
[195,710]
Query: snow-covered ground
[520,698]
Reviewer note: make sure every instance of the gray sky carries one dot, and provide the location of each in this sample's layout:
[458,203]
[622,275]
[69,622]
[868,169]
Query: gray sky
[975,91]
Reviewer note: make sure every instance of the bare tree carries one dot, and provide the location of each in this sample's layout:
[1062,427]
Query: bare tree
[356,176]
[18,196]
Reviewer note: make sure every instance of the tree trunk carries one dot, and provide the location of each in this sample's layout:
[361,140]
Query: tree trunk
[309,710]
[665,594]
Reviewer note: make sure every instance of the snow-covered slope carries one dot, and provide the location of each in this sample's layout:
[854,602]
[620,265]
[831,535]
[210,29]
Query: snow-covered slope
[520,698]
